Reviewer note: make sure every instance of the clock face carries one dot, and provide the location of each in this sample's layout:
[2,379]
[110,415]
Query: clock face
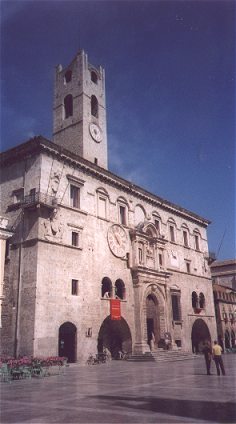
[117,240]
[95,132]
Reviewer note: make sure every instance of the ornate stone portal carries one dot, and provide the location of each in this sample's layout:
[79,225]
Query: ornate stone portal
[149,281]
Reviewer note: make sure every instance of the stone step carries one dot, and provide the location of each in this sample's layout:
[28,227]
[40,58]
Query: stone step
[161,355]
[145,357]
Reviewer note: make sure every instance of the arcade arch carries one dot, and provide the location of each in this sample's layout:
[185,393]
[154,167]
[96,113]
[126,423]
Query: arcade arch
[115,335]
[200,334]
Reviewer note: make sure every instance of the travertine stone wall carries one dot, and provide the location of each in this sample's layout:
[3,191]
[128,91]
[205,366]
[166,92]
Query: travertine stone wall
[43,262]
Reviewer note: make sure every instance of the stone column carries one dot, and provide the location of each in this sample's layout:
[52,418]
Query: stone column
[4,235]
[140,345]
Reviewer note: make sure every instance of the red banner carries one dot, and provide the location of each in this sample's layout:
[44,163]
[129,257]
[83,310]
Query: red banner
[115,309]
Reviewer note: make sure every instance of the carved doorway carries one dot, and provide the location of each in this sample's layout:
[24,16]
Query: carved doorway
[67,341]
[152,321]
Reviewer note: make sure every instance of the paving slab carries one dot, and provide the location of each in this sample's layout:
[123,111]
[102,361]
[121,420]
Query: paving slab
[125,392]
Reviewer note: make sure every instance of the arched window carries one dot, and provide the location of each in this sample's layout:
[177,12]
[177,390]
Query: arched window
[185,235]
[94,77]
[122,211]
[68,106]
[197,239]
[139,214]
[172,230]
[157,221]
[120,289]
[94,106]
[68,76]
[106,288]
[102,203]
[201,301]
[194,300]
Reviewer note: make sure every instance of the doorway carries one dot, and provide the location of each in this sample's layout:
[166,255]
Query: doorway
[152,321]
[67,341]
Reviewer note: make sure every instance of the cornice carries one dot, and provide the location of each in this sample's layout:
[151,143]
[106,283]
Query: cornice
[40,144]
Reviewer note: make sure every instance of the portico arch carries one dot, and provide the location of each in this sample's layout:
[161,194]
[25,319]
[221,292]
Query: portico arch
[114,335]
[200,334]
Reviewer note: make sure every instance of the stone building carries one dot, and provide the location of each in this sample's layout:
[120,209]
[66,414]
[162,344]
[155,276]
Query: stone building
[224,290]
[95,261]
[224,273]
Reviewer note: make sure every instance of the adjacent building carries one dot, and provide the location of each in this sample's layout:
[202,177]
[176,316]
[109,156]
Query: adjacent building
[95,261]
[224,289]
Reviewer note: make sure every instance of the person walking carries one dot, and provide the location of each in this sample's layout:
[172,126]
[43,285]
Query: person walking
[217,356]
[207,351]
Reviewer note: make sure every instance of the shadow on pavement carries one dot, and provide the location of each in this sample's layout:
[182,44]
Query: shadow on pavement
[217,412]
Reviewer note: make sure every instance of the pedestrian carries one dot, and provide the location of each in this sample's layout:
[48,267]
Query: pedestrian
[217,356]
[207,351]
[152,342]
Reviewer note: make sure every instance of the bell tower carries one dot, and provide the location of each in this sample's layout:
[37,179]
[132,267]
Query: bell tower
[79,112]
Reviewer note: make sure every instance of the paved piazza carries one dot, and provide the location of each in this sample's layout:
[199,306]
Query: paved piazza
[125,392]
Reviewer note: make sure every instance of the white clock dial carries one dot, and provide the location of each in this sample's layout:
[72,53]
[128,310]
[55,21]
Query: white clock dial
[117,240]
[95,132]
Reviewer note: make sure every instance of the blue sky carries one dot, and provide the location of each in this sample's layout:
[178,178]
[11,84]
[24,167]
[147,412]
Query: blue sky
[170,91]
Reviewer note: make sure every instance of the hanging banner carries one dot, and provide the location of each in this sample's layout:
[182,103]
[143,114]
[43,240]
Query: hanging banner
[115,309]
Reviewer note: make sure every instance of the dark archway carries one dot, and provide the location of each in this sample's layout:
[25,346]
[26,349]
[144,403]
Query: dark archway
[200,334]
[227,340]
[232,338]
[67,341]
[153,320]
[114,335]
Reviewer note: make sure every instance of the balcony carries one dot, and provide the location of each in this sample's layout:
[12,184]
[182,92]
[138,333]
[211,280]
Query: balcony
[38,198]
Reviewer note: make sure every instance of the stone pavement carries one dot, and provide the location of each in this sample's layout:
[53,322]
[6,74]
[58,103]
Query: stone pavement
[123,392]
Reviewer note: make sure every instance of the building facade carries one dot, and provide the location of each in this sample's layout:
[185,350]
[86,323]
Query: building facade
[224,290]
[87,241]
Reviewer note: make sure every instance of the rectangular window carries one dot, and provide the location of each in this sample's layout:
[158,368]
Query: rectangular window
[172,233]
[122,213]
[197,246]
[19,195]
[140,255]
[175,307]
[75,238]
[74,287]
[185,236]
[157,224]
[74,196]
[160,259]
[188,268]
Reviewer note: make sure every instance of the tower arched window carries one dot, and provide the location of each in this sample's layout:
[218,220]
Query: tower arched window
[106,289]
[94,77]
[68,76]
[94,106]
[201,301]
[68,106]
[120,289]
[194,300]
